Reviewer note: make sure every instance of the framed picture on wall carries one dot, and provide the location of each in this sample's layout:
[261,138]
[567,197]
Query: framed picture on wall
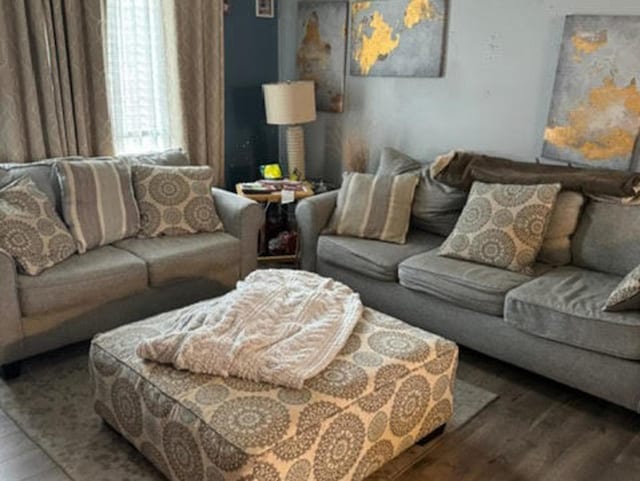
[265,8]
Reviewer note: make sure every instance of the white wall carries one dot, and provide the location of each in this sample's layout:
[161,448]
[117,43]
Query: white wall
[494,96]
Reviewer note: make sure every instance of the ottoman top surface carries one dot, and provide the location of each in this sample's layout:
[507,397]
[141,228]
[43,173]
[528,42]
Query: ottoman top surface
[381,351]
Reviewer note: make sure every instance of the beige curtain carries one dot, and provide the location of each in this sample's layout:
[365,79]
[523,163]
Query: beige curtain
[53,96]
[199,53]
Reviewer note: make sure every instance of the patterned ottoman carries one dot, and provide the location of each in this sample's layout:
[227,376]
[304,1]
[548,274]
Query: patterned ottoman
[390,386]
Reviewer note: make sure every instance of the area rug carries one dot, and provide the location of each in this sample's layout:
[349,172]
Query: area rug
[51,402]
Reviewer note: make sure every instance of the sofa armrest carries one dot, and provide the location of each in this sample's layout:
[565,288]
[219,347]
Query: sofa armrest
[11,333]
[312,215]
[242,218]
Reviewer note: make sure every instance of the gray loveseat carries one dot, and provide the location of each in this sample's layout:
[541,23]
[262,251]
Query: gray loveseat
[551,324]
[120,283]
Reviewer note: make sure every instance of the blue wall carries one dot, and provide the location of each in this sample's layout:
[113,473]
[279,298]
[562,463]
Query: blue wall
[500,68]
[251,59]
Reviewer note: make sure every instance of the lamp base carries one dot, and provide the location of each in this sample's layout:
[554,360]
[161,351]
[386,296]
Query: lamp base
[295,151]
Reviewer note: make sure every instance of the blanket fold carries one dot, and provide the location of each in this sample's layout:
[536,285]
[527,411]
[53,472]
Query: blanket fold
[278,326]
[461,169]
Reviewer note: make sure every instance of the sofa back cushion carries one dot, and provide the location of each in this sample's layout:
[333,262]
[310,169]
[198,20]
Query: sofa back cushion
[30,229]
[607,238]
[374,206]
[98,203]
[41,173]
[169,157]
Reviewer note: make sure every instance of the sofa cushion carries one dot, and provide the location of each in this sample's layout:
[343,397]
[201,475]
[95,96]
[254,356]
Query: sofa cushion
[467,284]
[99,276]
[171,259]
[98,202]
[372,258]
[607,238]
[565,305]
[502,225]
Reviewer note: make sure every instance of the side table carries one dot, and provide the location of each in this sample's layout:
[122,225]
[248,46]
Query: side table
[267,200]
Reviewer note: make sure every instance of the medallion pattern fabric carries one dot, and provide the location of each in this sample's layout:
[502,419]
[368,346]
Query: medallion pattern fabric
[175,200]
[98,202]
[30,229]
[626,296]
[374,206]
[343,424]
[502,225]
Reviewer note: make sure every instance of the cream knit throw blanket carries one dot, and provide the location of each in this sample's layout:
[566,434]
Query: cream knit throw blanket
[278,326]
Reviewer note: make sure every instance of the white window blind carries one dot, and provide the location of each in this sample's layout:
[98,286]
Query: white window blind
[137,75]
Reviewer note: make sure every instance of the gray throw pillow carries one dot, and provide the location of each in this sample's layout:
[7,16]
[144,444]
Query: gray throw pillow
[626,296]
[30,229]
[436,206]
[394,162]
[175,200]
[502,225]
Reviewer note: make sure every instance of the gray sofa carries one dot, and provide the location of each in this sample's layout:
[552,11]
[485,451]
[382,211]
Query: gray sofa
[120,283]
[551,323]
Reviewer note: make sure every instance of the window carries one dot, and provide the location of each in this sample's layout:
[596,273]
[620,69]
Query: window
[137,75]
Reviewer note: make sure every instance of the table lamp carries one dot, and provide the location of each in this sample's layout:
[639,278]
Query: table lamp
[291,104]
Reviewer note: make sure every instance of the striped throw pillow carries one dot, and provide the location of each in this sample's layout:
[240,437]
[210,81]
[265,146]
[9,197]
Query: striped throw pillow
[374,206]
[98,203]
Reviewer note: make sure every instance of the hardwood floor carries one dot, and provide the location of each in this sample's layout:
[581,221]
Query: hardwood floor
[536,430]
[21,459]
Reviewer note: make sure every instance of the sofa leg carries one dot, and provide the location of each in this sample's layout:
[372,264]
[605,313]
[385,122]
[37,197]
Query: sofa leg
[10,371]
[431,436]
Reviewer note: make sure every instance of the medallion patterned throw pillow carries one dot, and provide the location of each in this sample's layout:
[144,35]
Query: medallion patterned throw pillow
[175,200]
[30,229]
[502,225]
[626,296]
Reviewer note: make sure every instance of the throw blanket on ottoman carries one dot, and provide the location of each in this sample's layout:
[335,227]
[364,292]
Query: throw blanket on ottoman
[278,326]
[390,386]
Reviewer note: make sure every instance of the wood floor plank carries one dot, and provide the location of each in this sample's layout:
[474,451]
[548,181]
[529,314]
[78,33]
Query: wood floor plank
[534,432]
[26,465]
[7,426]
[54,474]
[14,444]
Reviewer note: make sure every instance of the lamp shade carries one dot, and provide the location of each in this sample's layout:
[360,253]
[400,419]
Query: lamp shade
[290,103]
